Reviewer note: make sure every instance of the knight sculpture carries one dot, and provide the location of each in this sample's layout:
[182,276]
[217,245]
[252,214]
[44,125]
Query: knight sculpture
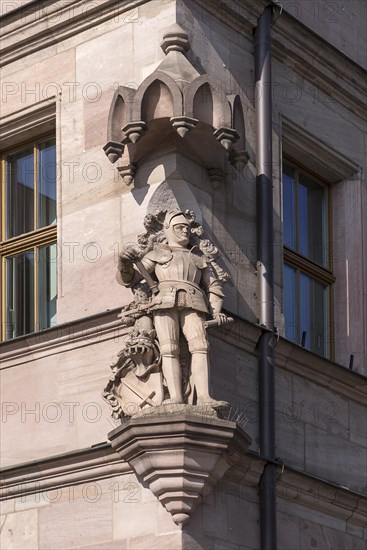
[178,292]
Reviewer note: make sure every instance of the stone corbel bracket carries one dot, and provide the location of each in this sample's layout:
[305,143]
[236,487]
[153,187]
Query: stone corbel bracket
[216,176]
[175,100]
[180,455]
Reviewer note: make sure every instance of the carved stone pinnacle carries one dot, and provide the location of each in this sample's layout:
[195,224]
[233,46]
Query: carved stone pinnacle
[183,124]
[113,150]
[239,159]
[127,172]
[175,39]
[134,130]
[226,136]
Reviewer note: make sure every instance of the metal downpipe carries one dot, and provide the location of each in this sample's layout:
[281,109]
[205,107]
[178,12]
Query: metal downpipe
[265,276]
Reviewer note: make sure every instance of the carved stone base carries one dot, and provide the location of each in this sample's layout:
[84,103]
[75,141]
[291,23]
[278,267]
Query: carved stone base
[179,450]
[183,124]
[134,130]
[216,176]
[127,172]
[226,136]
[113,150]
[238,159]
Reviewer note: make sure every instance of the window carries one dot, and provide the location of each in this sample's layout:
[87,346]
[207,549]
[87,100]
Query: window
[28,239]
[306,276]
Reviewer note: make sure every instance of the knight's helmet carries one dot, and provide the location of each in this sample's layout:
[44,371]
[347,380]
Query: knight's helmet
[172,218]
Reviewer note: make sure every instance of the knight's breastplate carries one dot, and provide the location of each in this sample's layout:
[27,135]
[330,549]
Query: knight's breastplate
[179,280]
[179,268]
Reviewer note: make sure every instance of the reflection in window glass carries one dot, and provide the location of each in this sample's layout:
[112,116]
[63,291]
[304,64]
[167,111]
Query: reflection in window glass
[46,183]
[20,194]
[47,285]
[290,310]
[313,314]
[28,261]
[311,220]
[306,295]
[289,207]
[19,297]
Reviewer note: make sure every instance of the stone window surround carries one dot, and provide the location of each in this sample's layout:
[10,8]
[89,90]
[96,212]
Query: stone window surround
[28,124]
[305,265]
[18,129]
[331,166]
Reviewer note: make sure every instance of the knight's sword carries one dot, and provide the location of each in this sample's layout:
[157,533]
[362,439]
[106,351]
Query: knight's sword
[153,285]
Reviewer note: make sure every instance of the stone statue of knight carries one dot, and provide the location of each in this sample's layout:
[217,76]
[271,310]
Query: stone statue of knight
[185,290]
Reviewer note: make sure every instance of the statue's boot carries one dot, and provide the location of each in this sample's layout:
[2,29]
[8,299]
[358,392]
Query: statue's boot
[200,376]
[172,373]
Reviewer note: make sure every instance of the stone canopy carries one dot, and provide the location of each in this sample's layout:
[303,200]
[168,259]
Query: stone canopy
[176,109]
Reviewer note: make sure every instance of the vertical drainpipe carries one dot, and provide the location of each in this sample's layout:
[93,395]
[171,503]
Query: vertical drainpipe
[265,276]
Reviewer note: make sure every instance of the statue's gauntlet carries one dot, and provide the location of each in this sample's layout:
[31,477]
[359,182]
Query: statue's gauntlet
[215,304]
[126,269]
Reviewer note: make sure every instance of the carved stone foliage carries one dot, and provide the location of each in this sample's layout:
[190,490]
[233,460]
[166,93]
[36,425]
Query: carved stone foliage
[177,282]
[175,100]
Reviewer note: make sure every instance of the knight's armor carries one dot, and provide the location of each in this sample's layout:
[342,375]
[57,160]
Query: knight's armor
[188,288]
[179,272]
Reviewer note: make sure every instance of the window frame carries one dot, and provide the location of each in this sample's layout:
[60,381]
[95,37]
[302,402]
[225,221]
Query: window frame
[32,240]
[302,264]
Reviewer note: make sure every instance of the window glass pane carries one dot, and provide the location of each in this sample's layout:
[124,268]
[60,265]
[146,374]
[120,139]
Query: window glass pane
[290,301]
[20,194]
[311,219]
[289,207]
[19,299]
[313,314]
[305,314]
[46,183]
[47,286]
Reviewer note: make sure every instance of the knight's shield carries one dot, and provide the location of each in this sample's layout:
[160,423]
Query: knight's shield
[136,394]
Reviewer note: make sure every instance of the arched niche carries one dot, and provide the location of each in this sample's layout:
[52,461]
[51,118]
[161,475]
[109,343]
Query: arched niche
[203,108]
[158,96]
[205,94]
[239,155]
[119,113]
[238,121]
[157,102]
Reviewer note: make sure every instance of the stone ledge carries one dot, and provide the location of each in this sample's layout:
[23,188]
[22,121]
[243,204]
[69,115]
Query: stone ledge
[299,487]
[304,148]
[325,497]
[78,333]
[334,73]
[323,372]
[59,21]
[242,334]
[298,360]
[100,462]
[28,122]
[65,470]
